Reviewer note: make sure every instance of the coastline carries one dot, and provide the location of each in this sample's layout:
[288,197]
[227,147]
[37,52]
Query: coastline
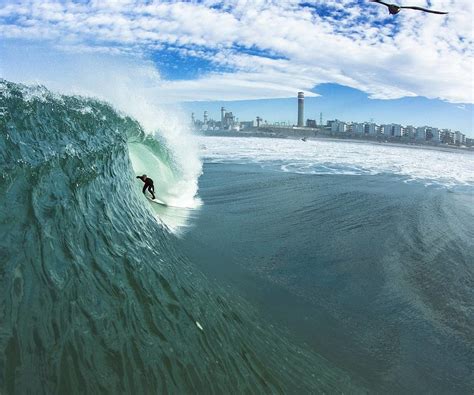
[310,135]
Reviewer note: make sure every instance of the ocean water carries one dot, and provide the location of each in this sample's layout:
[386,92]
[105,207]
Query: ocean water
[317,267]
[95,294]
[364,252]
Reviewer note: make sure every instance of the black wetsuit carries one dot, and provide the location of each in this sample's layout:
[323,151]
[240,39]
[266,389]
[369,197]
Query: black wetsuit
[148,185]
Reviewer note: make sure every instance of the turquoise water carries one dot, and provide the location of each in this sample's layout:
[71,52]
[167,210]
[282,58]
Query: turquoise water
[371,272]
[96,295]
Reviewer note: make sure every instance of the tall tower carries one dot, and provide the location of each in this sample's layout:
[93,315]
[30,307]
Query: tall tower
[222,116]
[193,121]
[258,121]
[300,109]
[321,119]
[205,117]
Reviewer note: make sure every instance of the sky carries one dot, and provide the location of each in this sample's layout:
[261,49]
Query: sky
[352,59]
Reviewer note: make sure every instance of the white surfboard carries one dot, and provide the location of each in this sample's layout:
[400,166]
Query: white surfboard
[157,201]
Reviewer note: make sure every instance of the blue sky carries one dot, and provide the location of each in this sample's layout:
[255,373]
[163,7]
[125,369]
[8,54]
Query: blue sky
[351,58]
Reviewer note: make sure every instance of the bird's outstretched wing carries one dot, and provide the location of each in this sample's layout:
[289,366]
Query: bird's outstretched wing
[423,9]
[380,2]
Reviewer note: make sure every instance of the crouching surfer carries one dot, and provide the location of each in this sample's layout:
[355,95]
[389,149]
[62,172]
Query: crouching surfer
[148,185]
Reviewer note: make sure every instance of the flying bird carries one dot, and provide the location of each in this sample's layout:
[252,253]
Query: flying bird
[395,9]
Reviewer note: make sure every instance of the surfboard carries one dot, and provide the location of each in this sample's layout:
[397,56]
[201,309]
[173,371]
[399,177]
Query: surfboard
[157,201]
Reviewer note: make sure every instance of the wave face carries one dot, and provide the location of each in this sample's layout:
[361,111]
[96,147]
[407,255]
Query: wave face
[94,295]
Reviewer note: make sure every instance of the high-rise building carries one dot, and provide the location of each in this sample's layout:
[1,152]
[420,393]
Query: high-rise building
[410,132]
[434,134]
[459,138]
[358,128]
[386,130]
[421,133]
[397,130]
[338,126]
[371,128]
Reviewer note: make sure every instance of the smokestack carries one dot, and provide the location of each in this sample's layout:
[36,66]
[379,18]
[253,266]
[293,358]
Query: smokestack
[222,115]
[300,109]
[205,117]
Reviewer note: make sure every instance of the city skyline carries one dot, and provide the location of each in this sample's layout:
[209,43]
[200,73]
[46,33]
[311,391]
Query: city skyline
[336,102]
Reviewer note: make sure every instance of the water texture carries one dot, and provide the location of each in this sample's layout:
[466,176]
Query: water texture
[95,296]
[370,265]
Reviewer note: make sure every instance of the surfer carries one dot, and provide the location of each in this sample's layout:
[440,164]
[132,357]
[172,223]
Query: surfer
[148,185]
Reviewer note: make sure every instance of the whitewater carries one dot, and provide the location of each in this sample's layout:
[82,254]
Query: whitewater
[441,166]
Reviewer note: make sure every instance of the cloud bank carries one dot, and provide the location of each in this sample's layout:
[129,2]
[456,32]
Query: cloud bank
[266,49]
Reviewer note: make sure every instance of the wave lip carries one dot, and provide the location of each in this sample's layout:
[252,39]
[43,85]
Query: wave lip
[62,126]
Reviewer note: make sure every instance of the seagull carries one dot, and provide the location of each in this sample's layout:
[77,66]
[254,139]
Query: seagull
[395,9]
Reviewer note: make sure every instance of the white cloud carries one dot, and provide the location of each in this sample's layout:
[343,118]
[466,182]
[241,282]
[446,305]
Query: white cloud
[411,54]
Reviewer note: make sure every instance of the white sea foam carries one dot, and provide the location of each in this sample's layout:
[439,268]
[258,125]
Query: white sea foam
[320,156]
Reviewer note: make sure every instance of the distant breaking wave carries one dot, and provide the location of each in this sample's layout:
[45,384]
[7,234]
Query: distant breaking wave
[430,166]
[95,294]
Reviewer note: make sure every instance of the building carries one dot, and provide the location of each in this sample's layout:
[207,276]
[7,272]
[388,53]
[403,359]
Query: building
[228,121]
[421,133]
[370,128]
[410,132]
[434,134]
[397,130]
[247,124]
[386,130]
[459,138]
[358,128]
[311,123]
[447,136]
[393,130]
[337,126]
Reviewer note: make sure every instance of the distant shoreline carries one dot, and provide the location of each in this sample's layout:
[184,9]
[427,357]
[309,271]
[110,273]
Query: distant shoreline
[300,134]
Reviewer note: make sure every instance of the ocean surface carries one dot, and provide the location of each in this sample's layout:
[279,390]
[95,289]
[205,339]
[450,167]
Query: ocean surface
[363,252]
[300,267]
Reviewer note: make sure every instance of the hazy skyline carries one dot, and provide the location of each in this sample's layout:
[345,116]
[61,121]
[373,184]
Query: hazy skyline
[410,68]
[346,104]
